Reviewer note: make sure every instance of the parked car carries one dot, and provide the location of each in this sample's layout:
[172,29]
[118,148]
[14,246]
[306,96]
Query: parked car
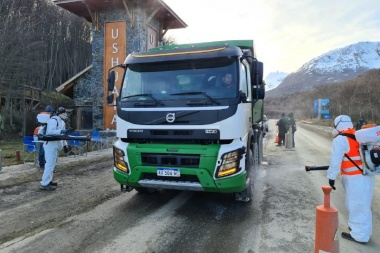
[265,124]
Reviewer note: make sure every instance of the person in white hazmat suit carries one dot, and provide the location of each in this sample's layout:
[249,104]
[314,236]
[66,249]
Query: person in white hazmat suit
[358,187]
[55,126]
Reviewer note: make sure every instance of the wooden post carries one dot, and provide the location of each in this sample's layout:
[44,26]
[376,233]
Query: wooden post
[18,156]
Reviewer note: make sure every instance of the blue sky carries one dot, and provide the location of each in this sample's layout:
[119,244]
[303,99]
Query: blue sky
[287,34]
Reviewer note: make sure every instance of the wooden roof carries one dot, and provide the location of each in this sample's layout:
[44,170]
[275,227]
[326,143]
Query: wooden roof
[67,88]
[87,8]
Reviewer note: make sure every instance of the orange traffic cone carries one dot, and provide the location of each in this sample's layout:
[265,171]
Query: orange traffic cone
[326,239]
[276,139]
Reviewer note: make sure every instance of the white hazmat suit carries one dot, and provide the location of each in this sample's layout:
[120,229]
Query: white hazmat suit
[358,188]
[54,126]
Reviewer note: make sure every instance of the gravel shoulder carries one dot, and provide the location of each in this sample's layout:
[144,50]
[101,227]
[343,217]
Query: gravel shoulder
[83,183]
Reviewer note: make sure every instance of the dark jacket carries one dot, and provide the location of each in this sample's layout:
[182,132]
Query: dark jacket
[360,123]
[292,124]
[283,125]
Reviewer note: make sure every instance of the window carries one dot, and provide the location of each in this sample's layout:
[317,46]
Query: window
[243,79]
[162,80]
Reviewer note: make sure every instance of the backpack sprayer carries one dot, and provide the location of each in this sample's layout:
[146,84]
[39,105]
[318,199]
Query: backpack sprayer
[369,140]
[43,119]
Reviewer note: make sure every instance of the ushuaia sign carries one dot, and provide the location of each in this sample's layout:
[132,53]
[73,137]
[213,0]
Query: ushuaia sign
[115,38]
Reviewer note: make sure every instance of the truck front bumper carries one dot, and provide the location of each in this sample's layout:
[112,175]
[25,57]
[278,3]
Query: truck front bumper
[191,180]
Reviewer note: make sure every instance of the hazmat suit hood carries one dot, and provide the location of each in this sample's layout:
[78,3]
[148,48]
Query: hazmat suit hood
[342,122]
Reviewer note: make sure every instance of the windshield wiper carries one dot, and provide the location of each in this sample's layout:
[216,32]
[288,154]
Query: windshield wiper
[197,93]
[144,95]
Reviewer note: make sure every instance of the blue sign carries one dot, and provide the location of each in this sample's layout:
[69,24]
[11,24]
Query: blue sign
[327,116]
[325,106]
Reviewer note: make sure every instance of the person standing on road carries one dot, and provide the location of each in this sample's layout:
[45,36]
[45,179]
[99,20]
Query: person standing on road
[55,126]
[41,154]
[293,126]
[283,128]
[361,123]
[358,187]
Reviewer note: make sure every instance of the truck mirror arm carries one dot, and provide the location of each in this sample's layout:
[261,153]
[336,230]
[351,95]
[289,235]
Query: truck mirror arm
[243,98]
[111,82]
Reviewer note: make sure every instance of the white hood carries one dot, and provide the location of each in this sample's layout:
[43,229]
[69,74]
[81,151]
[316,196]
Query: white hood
[342,122]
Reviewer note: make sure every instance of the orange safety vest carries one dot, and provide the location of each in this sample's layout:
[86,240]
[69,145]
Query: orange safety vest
[347,167]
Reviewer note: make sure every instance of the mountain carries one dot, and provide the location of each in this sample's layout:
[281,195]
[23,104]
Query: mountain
[334,66]
[274,79]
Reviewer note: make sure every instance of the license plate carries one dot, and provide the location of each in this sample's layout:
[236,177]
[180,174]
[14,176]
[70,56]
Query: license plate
[164,172]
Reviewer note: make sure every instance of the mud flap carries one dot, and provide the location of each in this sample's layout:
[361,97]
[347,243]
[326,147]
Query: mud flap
[124,188]
[246,195]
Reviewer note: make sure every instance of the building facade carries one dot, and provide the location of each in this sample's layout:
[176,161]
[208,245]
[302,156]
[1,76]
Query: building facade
[119,27]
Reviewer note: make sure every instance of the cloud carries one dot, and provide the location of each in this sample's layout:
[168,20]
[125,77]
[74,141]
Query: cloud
[287,33]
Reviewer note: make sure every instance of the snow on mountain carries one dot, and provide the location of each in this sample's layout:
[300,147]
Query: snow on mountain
[362,55]
[274,79]
[334,66]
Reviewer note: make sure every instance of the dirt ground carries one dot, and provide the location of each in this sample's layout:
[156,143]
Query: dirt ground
[88,213]
[26,210]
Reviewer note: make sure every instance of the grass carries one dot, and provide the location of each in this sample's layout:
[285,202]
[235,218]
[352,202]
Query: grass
[9,150]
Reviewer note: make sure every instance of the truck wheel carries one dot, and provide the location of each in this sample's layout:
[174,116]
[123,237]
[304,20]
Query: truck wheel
[145,190]
[246,195]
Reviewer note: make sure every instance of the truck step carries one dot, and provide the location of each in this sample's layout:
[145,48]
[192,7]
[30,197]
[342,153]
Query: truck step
[175,185]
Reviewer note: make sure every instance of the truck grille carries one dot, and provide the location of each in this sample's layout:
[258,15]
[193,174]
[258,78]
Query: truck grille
[185,178]
[186,161]
[171,132]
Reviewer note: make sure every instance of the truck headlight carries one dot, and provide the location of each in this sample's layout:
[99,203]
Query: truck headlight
[230,164]
[118,158]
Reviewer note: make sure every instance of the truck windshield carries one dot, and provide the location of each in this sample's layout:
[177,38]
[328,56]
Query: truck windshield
[217,78]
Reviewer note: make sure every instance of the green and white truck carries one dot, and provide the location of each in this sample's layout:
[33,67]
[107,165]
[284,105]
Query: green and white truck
[179,128]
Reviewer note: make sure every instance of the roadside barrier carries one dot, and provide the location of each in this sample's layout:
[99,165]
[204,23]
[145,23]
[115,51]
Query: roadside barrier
[326,226]
[289,140]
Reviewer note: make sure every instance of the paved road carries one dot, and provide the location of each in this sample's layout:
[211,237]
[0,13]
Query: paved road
[281,217]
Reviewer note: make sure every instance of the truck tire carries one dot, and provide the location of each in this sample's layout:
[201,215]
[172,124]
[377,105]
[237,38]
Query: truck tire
[246,195]
[145,190]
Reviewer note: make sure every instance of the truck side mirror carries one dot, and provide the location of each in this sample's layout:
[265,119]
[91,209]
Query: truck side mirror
[258,72]
[259,92]
[258,87]
[111,81]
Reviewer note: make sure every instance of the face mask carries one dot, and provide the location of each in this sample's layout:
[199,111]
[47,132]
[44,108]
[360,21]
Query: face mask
[63,116]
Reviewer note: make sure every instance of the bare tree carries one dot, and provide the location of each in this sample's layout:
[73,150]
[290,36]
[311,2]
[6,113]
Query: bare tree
[40,51]
[357,97]
[169,40]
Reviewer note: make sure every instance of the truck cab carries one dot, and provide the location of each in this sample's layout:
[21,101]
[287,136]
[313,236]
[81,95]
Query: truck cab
[189,118]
